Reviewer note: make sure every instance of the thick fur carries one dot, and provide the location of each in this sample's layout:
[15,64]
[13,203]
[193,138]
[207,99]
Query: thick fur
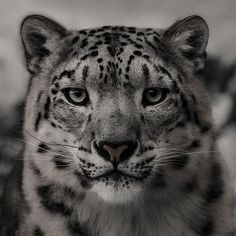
[174,183]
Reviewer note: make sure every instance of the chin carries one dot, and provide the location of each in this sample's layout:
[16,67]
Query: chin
[117,191]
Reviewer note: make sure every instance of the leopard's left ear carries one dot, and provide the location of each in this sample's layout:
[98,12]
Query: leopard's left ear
[40,36]
[189,38]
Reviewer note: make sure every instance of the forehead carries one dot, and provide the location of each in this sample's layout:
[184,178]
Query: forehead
[116,36]
[116,42]
[116,54]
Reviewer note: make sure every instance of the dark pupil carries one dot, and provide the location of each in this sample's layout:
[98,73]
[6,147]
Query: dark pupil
[152,92]
[77,93]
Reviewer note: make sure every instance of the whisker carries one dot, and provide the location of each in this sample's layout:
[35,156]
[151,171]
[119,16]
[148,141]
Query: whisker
[59,156]
[34,145]
[53,144]
[189,140]
[70,164]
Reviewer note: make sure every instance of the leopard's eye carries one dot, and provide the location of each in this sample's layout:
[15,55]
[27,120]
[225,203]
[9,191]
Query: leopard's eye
[153,96]
[76,96]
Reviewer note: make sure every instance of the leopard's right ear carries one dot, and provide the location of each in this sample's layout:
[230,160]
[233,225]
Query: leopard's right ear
[40,37]
[188,38]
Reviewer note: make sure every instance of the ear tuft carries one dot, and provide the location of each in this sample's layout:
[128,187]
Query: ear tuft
[189,37]
[39,35]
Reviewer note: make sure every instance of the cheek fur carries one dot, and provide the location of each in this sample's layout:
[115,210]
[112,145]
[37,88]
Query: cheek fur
[159,120]
[73,118]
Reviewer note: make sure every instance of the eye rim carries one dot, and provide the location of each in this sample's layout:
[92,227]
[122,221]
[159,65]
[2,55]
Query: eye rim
[66,92]
[164,94]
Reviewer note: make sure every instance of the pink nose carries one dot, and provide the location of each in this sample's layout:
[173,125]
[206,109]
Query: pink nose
[116,152]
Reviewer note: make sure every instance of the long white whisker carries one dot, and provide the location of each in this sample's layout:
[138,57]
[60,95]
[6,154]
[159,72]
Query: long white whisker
[33,145]
[53,144]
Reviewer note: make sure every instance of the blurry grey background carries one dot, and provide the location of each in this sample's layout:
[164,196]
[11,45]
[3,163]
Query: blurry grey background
[220,73]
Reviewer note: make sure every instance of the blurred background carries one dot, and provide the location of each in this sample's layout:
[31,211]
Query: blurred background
[220,72]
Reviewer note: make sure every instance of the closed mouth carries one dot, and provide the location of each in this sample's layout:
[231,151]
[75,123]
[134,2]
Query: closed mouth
[116,175]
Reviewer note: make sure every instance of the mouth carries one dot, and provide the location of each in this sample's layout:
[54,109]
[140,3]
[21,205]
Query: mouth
[115,176]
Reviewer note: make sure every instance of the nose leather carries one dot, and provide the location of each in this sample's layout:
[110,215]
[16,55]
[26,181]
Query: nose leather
[115,153]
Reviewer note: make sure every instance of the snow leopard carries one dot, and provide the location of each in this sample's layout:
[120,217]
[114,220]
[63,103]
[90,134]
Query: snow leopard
[118,135]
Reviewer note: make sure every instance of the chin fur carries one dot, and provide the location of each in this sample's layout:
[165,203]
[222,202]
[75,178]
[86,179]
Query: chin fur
[115,193]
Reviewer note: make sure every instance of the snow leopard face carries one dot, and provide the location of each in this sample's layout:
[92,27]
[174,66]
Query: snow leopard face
[115,111]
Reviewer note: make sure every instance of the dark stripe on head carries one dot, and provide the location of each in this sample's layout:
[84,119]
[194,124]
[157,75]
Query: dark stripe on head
[38,232]
[143,119]
[84,57]
[89,118]
[94,53]
[75,39]
[175,87]
[146,57]
[55,207]
[67,73]
[85,73]
[131,58]
[37,121]
[156,39]
[42,148]
[185,106]
[138,53]
[146,72]
[39,96]
[53,124]
[165,71]
[46,108]
[150,44]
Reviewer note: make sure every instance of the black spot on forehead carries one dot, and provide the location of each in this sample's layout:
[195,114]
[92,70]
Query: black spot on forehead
[99,60]
[67,73]
[83,32]
[114,36]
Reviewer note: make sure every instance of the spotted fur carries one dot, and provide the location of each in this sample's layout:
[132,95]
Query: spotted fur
[171,183]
